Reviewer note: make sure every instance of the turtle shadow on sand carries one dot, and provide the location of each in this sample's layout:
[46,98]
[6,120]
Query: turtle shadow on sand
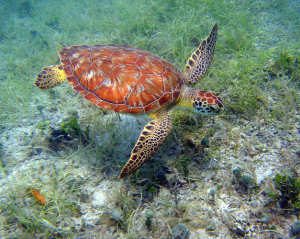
[168,168]
[108,151]
[113,151]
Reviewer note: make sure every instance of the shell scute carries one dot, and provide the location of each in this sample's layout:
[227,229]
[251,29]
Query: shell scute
[128,75]
[121,79]
[124,58]
[102,53]
[156,66]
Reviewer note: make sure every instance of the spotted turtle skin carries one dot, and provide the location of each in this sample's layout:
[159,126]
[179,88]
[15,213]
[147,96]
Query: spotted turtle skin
[121,79]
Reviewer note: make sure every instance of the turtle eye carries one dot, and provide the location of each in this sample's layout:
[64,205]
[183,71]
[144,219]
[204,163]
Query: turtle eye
[197,105]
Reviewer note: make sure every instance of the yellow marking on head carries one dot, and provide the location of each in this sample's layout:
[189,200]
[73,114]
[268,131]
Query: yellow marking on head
[185,102]
[60,73]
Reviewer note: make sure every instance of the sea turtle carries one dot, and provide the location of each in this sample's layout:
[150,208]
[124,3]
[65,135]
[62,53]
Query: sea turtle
[128,80]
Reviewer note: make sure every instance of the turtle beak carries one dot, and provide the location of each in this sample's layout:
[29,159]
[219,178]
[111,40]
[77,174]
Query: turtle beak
[220,104]
[218,107]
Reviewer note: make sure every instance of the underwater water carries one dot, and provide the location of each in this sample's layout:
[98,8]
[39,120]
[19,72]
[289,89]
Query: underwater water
[232,175]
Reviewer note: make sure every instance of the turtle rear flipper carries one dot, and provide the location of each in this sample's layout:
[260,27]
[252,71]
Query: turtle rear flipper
[201,58]
[50,76]
[151,137]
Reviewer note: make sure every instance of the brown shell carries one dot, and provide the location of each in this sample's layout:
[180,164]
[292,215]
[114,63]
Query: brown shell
[121,79]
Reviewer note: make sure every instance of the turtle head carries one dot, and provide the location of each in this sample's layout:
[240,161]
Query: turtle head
[206,103]
[50,76]
[202,102]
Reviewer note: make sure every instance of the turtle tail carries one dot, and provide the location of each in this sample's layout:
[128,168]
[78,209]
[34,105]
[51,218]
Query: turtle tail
[50,76]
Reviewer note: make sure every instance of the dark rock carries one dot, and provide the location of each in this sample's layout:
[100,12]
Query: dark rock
[180,231]
[243,182]
[205,141]
[58,138]
[247,181]
[266,218]
[211,193]
[295,229]
[211,227]
[116,215]
[148,221]
[237,171]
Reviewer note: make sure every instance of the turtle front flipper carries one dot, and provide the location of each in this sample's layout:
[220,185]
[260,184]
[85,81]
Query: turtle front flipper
[50,76]
[151,137]
[201,58]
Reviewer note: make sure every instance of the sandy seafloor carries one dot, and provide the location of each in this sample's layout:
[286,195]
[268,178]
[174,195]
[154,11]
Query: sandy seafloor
[235,175]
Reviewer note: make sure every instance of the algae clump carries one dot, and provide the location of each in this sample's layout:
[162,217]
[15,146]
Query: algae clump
[71,126]
[289,191]
[284,64]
